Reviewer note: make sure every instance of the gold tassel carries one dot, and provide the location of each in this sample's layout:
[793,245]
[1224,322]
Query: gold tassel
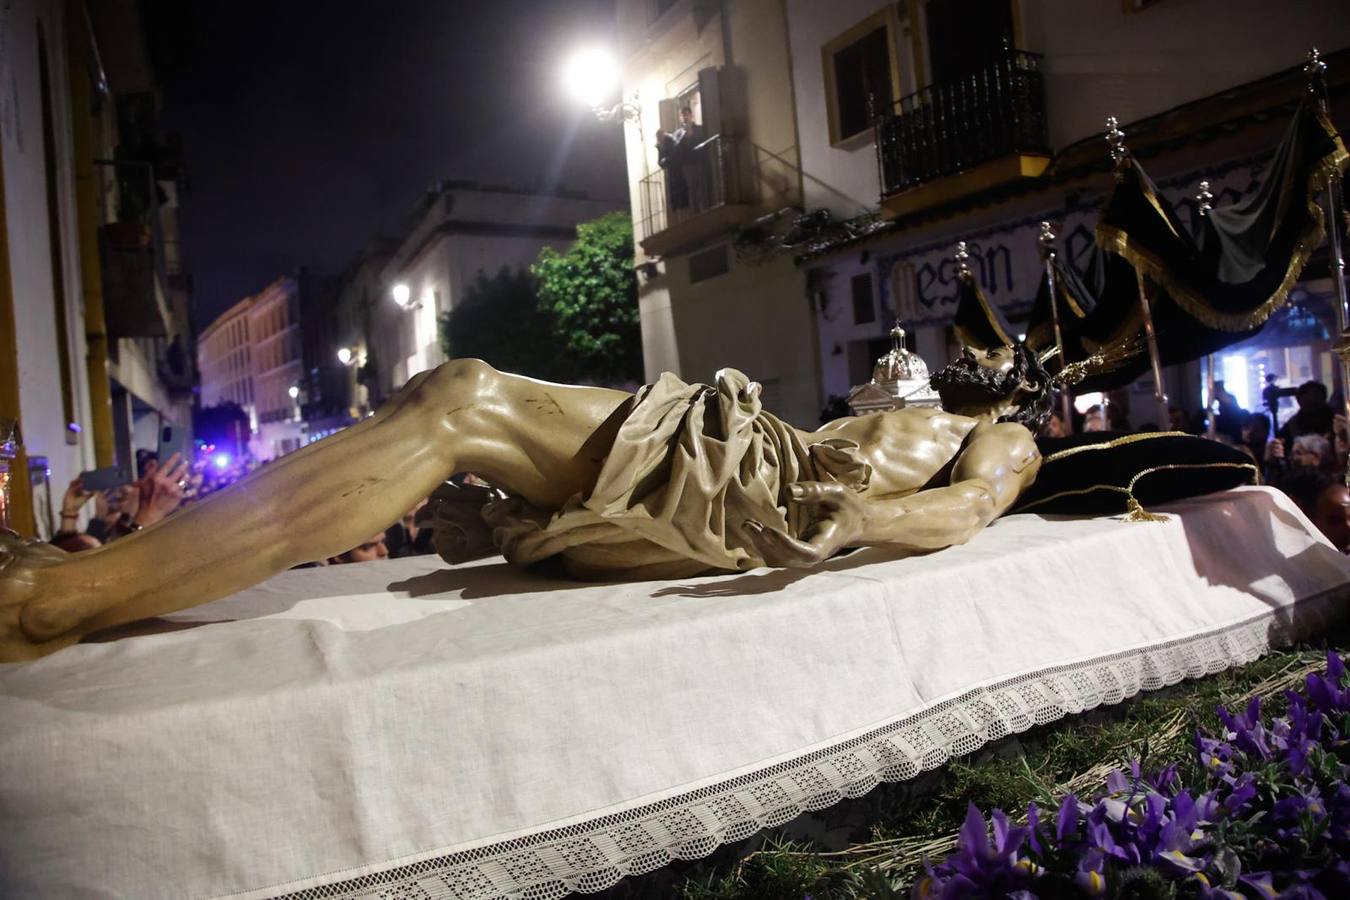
[1137,513]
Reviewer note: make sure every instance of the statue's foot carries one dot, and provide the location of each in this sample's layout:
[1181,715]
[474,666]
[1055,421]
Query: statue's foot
[25,626]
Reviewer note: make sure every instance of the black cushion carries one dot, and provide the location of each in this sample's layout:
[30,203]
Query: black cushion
[1098,473]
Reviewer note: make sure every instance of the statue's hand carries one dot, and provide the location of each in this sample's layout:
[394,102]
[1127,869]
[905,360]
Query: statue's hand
[456,514]
[836,512]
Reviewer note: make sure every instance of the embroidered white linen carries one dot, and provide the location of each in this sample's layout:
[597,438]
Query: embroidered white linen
[481,732]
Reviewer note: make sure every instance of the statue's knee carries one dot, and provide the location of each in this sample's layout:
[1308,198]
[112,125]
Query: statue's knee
[457,393]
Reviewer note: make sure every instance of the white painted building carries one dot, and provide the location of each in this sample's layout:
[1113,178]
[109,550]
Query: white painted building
[94,344]
[703,307]
[251,356]
[458,231]
[224,359]
[274,335]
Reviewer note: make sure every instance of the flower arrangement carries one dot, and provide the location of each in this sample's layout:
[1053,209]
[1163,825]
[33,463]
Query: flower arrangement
[1263,811]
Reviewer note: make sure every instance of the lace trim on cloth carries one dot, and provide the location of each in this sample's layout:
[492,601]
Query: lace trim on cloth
[594,855]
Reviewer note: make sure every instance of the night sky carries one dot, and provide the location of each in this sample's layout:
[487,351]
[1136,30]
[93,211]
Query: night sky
[309,127]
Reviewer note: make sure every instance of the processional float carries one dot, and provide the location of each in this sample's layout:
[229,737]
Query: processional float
[1154,292]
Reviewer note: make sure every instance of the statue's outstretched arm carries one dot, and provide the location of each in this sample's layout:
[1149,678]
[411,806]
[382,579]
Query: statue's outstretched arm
[999,461]
[997,464]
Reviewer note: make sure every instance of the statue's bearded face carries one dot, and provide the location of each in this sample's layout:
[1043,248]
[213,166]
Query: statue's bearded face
[983,378]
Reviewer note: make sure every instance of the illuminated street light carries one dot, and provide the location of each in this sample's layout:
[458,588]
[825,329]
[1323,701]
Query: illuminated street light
[592,77]
[345,356]
[294,391]
[402,295]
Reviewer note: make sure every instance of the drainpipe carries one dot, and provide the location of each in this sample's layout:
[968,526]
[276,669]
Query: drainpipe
[79,52]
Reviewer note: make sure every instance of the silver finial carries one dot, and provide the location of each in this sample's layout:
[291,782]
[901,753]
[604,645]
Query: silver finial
[962,258]
[1204,199]
[897,337]
[1316,67]
[1046,239]
[1115,140]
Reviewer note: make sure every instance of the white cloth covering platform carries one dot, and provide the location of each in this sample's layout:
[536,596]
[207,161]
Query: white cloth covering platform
[404,729]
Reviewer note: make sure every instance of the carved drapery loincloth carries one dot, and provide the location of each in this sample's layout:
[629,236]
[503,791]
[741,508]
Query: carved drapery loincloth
[689,466]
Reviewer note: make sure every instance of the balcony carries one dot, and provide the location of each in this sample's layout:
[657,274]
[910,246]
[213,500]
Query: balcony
[133,298]
[964,136]
[689,204]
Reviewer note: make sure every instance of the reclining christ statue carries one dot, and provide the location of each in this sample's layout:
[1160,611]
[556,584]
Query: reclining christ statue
[673,481]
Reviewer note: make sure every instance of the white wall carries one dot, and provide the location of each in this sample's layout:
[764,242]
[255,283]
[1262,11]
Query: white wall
[1100,61]
[26,216]
[753,318]
[842,179]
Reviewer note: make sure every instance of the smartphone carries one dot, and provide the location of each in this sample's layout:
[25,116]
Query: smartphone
[172,439]
[106,478]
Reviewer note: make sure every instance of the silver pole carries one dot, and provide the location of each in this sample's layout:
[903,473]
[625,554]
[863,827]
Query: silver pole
[1204,203]
[1316,71]
[1159,394]
[1046,241]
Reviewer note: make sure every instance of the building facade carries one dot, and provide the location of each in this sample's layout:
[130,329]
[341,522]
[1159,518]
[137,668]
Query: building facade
[95,343]
[904,127]
[275,336]
[704,304]
[224,354]
[987,118]
[252,356]
[460,230]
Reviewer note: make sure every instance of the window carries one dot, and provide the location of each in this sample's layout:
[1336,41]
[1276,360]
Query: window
[862,77]
[708,264]
[965,35]
[864,309]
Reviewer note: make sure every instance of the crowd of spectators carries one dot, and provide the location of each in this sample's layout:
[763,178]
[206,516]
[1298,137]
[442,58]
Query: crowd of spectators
[160,490]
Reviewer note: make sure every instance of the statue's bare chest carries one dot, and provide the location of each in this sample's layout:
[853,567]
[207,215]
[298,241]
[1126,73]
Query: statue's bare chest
[907,449]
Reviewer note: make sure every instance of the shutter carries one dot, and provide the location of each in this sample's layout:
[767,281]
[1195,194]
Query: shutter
[667,114]
[710,98]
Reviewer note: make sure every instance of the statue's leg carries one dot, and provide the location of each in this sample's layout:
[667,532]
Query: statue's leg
[541,440]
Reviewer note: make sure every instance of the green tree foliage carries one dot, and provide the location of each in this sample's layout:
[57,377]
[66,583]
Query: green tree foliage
[590,292]
[500,322]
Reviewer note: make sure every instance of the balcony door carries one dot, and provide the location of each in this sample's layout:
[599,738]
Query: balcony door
[965,35]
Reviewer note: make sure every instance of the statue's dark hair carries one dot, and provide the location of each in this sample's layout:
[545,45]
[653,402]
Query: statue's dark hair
[1027,381]
[1034,410]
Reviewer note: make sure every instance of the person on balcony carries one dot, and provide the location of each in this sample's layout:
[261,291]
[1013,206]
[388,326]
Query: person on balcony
[693,162]
[677,189]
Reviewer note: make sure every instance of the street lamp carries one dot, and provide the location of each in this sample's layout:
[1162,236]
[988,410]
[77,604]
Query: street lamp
[345,356]
[402,295]
[294,391]
[592,77]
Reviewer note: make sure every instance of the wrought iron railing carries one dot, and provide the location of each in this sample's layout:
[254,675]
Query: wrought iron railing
[702,180]
[949,127]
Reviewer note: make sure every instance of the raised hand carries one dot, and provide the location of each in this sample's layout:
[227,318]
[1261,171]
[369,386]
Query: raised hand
[836,514]
[161,490]
[74,500]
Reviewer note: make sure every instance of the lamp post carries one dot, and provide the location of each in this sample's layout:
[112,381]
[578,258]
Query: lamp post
[592,77]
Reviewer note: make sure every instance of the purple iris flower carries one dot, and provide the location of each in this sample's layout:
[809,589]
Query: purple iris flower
[1248,732]
[1066,821]
[1262,884]
[1325,691]
[1090,877]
